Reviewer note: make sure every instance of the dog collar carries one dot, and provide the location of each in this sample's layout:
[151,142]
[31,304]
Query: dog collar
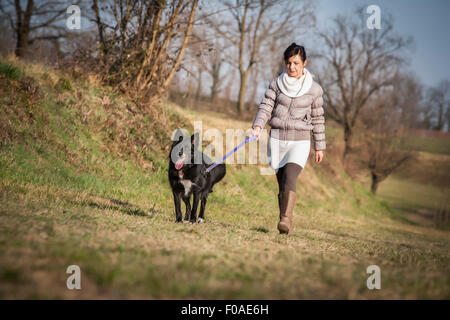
[180,174]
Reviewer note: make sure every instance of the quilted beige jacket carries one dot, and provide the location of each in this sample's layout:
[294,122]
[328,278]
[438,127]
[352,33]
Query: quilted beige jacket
[293,117]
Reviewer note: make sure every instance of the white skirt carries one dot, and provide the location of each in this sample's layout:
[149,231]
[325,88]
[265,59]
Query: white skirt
[280,152]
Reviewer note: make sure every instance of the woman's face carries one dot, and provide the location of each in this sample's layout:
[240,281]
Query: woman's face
[295,66]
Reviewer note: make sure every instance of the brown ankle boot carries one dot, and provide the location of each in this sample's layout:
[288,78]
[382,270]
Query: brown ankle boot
[287,202]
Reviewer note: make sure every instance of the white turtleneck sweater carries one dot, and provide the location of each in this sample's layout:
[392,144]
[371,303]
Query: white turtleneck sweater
[293,87]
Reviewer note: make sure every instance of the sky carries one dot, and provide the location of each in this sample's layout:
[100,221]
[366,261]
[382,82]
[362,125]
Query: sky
[427,21]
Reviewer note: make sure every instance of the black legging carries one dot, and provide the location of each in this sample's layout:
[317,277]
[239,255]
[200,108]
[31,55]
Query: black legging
[287,176]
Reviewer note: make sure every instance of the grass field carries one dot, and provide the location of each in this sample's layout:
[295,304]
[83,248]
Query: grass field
[83,181]
[428,144]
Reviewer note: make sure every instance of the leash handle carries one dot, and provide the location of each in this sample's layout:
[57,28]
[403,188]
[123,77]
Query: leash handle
[231,152]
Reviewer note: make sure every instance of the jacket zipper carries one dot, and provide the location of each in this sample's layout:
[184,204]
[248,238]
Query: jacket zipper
[289,114]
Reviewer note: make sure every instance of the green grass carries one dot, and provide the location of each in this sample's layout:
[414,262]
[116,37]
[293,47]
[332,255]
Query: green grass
[428,144]
[10,71]
[83,181]
[420,203]
[405,193]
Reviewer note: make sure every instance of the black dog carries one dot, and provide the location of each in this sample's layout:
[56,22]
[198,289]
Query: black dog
[187,177]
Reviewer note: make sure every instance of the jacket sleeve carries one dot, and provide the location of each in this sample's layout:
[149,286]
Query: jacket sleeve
[318,122]
[266,106]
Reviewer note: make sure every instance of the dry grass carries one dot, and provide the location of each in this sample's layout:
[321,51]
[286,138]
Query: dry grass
[73,191]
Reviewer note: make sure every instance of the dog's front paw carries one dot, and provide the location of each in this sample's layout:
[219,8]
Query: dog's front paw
[186,221]
[178,220]
[200,220]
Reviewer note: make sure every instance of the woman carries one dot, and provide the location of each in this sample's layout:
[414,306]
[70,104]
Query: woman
[293,105]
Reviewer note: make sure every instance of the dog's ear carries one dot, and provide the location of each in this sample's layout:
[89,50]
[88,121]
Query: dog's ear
[195,138]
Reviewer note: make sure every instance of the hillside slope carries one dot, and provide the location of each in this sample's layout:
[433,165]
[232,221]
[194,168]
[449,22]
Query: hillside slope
[83,181]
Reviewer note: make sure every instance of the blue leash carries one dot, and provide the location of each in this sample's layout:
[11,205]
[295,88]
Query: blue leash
[230,153]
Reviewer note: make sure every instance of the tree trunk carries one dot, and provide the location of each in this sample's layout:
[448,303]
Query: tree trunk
[23,27]
[215,81]
[100,29]
[213,96]
[448,118]
[253,92]
[348,135]
[440,124]
[241,98]
[21,44]
[375,183]
[199,87]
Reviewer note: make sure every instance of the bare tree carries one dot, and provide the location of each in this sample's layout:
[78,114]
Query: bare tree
[100,27]
[253,25]
[6,38]
[154,58]
[385,156]
[213,63]
[214,70]
[384,149]
[143,42]
[408,99]
[427,116]
[358,62]
[447,115]
[206,53]
[438,102]
[198,56]
[35,20]
[254,89]
[274,56]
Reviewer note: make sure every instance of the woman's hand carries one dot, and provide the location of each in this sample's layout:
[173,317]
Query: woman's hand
[319,156]
[256,132]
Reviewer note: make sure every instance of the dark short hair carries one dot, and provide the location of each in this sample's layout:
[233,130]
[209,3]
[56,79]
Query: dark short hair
[293,50]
